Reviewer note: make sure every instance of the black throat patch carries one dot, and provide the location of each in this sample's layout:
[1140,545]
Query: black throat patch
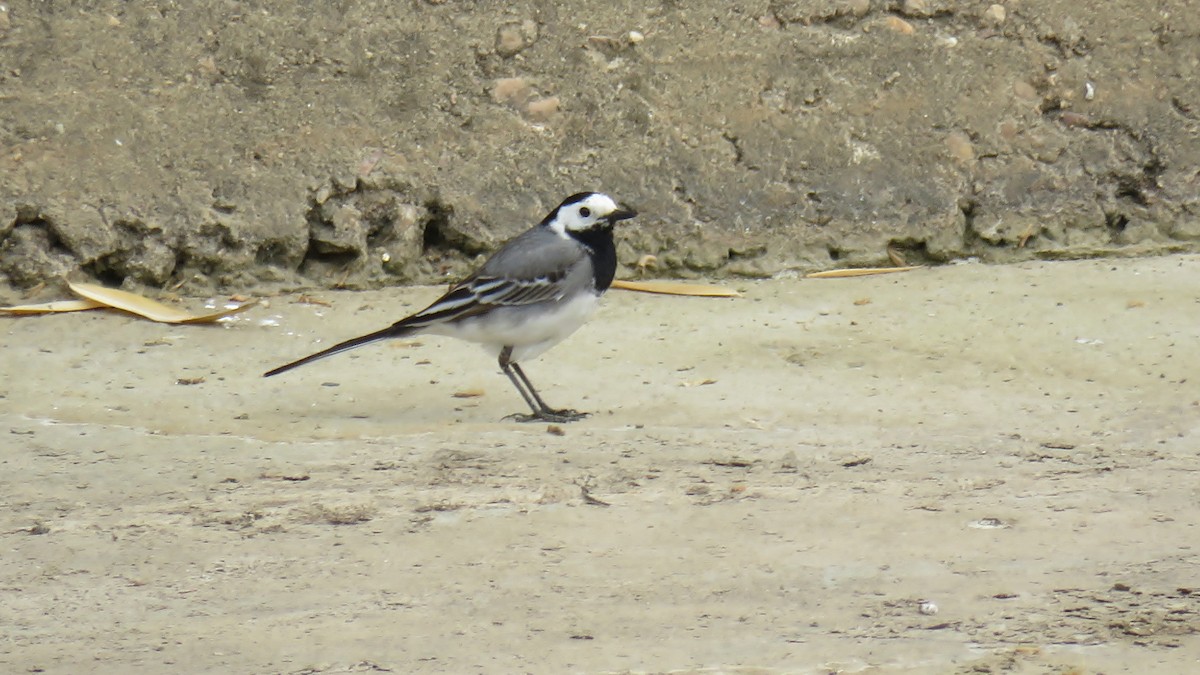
[602,250]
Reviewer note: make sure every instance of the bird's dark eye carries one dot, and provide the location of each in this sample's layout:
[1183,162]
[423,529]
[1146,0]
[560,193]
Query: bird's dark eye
[584,212]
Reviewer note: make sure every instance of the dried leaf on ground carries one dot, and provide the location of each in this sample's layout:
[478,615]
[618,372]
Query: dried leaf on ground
[676,288]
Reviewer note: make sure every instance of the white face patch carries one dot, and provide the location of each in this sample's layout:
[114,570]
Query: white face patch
[582,215]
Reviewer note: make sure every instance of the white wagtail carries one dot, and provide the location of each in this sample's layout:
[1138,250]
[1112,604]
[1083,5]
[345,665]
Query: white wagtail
[529,296]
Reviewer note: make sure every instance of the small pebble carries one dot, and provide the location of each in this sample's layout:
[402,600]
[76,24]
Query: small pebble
[960,146]
[512,38]
[769,22]
[988,524]
[898,25]
[513,90]
[927,607]
[1024,90]
[995,14]
[542,109]
[509,41]
[1074,119]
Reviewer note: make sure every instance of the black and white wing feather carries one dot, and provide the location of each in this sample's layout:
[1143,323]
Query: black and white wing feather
[538,266]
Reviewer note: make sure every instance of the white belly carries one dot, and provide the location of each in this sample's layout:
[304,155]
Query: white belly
[529,330]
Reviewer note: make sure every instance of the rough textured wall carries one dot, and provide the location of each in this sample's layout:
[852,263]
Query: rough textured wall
[214,142]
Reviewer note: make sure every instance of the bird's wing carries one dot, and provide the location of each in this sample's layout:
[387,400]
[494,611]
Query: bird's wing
[537,266]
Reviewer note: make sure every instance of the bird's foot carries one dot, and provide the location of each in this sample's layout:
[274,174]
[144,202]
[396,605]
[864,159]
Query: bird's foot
[547,415]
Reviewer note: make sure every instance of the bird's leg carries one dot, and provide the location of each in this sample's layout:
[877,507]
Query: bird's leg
[529,386]
[541,411]
[507,366]
[546,413]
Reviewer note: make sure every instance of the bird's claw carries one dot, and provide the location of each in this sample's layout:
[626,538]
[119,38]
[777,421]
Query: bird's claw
[555,416]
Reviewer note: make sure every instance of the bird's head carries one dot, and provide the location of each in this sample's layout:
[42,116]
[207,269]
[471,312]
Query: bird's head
[586,211]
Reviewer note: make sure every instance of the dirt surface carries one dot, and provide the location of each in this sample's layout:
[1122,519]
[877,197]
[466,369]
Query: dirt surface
[216,143]
[773,483]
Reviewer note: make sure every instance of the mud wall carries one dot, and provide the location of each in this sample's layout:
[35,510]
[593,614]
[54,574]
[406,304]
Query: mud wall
[240,144]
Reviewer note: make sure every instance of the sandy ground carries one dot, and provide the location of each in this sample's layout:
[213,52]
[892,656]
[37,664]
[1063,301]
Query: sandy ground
[776,484]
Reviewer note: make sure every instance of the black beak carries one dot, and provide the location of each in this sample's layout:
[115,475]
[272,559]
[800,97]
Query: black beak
[622,213]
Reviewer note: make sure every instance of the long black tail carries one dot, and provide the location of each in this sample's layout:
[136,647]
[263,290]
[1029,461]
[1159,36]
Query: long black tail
[394,331]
